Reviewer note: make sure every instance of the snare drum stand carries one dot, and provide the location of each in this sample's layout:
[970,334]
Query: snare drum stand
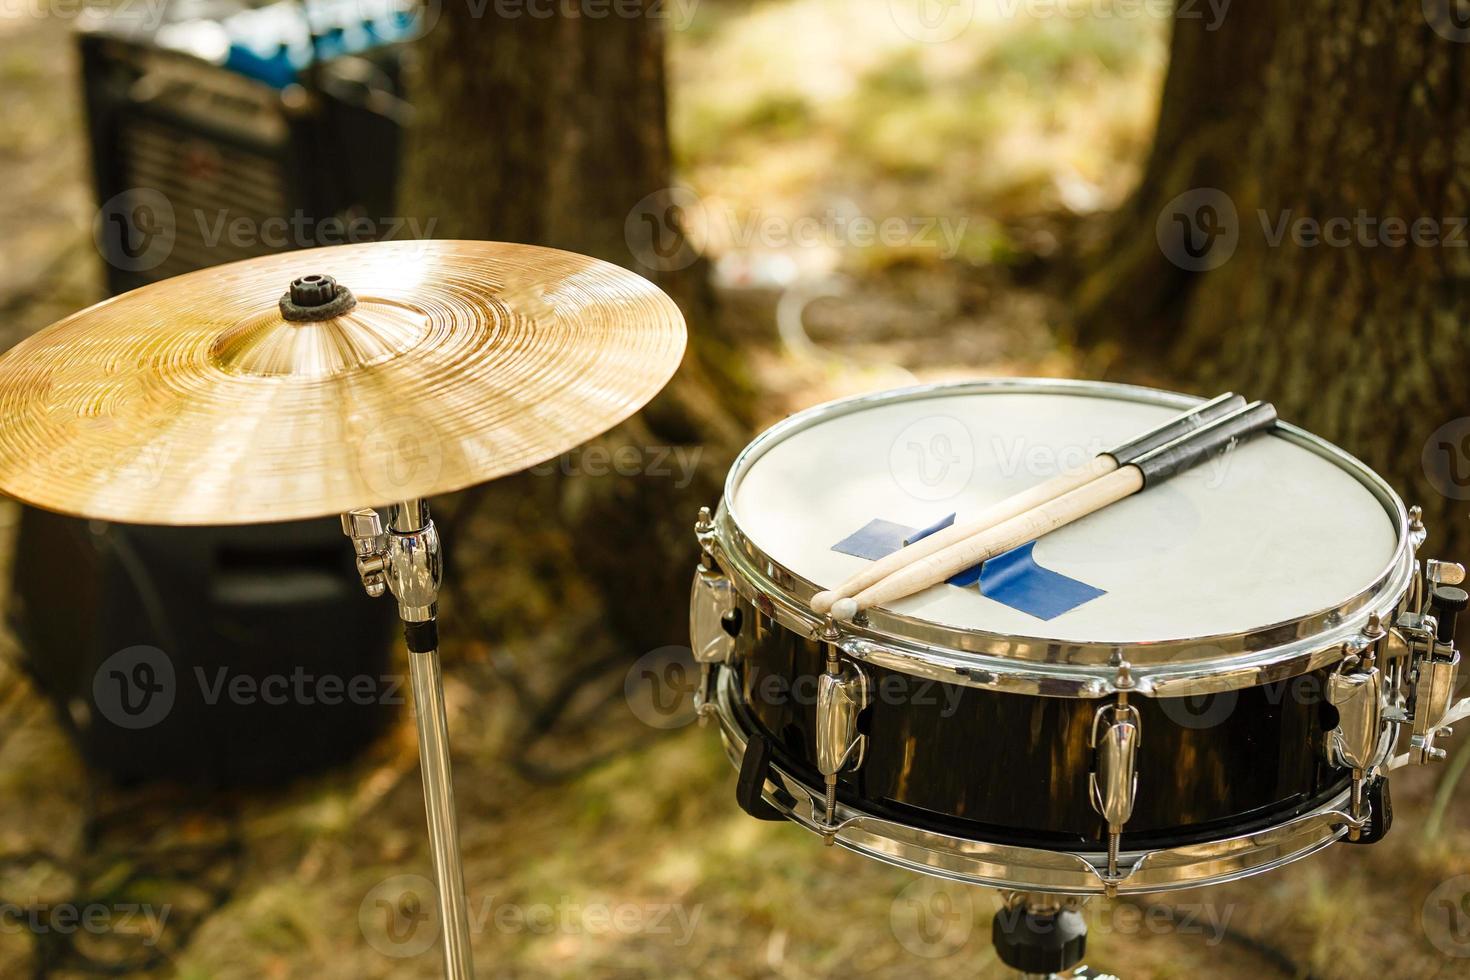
[406,560]
[1042,936]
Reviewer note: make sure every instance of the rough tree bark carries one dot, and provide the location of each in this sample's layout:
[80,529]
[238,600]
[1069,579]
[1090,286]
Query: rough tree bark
[1300,114]
[550,130]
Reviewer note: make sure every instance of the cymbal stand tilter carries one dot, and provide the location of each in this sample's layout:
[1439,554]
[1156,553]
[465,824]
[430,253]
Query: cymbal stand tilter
[407,560]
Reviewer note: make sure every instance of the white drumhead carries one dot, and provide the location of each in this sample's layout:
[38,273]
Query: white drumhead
[1267,533]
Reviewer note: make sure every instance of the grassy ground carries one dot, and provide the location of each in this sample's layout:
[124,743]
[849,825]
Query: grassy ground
[1017,132]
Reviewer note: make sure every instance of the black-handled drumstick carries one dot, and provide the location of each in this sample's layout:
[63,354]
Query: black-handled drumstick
[1019,503]
[1149,469]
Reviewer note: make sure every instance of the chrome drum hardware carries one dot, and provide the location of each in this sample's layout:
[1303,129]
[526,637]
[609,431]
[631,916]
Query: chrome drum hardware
[1113,783]
[842,694]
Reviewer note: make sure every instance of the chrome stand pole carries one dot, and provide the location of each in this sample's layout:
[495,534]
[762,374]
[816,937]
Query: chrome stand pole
[406,559]
[428,698]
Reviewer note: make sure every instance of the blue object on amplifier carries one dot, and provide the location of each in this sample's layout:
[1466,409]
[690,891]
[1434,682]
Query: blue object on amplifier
[276,42]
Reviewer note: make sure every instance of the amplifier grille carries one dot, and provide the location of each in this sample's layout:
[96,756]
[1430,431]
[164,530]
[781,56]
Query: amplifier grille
[222,195]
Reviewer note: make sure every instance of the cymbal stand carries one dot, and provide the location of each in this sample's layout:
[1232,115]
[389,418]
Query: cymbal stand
[406,559]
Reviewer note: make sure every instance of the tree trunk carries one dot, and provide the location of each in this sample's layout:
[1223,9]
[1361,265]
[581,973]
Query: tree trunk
[1310,138]
[550,130]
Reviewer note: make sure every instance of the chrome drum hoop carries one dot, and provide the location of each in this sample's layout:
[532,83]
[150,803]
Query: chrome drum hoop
[1033,869]
[1036,665]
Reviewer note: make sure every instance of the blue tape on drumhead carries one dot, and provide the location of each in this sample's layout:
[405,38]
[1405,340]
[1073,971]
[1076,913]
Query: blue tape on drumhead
[1015,579]
[1012,578]
[938,525]
[874,540]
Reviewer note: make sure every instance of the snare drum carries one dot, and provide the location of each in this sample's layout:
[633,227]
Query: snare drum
[1197,716]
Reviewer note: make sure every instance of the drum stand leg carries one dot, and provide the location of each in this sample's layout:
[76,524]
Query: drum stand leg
[407,560]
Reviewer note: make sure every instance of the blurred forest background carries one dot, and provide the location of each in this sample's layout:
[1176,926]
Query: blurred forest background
[1031,167]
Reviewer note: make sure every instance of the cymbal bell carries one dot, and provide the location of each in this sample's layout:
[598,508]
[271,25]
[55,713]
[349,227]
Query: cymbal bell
[262,391]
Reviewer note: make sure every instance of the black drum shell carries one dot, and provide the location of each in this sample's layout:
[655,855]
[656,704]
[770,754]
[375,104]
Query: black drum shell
[1013,768]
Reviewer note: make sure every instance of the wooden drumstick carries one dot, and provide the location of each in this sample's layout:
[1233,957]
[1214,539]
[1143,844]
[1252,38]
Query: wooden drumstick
[998,513]
[1147,470]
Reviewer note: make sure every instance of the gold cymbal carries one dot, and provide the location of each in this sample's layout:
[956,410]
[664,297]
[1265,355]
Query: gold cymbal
[196,401]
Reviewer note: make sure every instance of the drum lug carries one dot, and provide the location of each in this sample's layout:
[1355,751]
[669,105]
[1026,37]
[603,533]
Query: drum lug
[1113,783]
[715,620]
[843,692]
[1356,690]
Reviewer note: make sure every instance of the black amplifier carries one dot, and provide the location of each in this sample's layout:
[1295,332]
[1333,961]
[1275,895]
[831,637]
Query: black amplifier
[205,656]
[225,131]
